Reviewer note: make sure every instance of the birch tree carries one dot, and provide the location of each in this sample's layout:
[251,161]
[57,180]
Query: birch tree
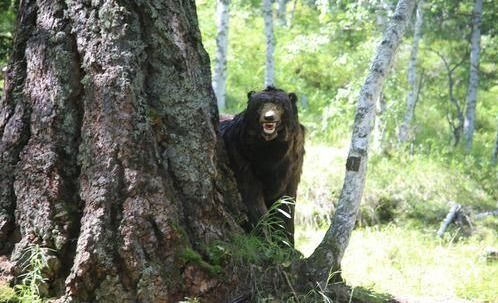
[495,151]
[270,42]
[282,12]
[220,69]
[326,259]
[405,128]
[475,41]
[379,131]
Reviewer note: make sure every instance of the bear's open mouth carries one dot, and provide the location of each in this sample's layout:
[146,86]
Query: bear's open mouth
[269,127]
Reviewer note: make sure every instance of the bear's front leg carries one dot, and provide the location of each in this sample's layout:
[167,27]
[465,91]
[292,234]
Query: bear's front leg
[252,196]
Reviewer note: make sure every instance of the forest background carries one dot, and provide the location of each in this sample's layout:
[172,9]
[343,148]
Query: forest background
[322,53]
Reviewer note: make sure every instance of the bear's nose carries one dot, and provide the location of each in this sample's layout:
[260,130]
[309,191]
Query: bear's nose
[269,116]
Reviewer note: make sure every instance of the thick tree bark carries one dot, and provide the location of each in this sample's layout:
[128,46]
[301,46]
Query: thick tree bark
[220,69]
[411,100]
[109,154]
[270,42]
[326,259]
[475,42]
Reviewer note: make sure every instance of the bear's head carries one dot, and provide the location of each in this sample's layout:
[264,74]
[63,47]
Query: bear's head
[271,114]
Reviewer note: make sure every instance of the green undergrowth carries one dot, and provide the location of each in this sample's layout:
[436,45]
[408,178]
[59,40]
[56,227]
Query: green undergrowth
[31,284]
[400,188]
[407,262]
[394,248]
[7,294]
[411,262]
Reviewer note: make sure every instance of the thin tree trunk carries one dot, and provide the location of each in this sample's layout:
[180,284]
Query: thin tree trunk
[384,12]
[495,152]
[380,124]
[109,154]
[326,259]
[270,42]
[457,128]
[282,12]
[220,69]
[292,12]
[405,128]
[470,113]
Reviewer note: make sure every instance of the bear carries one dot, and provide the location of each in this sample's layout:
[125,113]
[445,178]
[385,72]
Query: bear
[265,146]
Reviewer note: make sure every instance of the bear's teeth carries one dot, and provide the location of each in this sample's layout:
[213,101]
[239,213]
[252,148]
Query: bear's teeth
[269,128]
[268,131]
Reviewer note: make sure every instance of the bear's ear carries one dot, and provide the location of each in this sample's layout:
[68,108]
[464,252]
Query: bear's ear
[293,98]
[249,95]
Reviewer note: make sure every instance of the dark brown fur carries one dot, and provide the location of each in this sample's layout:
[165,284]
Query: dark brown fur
[266,167]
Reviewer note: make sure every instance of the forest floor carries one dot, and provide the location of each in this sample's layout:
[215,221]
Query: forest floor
[430,300]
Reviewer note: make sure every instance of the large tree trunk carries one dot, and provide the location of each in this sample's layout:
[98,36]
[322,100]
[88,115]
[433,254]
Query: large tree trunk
[326,259]
[411,100]
[475,42]
[220,69]
[109,154]
[270,42]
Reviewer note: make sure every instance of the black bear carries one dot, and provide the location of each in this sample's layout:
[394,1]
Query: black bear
[265,144]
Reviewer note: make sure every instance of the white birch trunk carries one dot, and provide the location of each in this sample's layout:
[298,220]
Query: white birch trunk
[384,11]
[282,12]
[475,41]
[495,152]
[405,128]
[291,14]
[270,42]
[326,259]
[220,69]
[380,125]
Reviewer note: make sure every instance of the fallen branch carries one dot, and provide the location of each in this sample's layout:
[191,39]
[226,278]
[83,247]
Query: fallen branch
[449,218]
[486,214]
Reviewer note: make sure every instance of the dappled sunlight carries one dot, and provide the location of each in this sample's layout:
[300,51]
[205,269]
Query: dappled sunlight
[413,263]
[403,257]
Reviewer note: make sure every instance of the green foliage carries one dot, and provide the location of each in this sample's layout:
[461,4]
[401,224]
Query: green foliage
[7,18]
[271,225]
[323,55]
[266,244]
[190,256]
[33,277]
[7,294]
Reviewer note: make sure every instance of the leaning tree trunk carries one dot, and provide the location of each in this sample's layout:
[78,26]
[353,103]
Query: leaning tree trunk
[470,113]
[109,155]
[270,42]
[220,69]
[326,259]
[411,101]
